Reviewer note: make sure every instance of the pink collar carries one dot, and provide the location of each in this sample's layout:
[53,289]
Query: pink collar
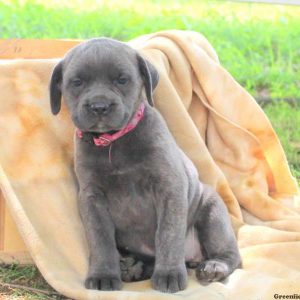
[106,139]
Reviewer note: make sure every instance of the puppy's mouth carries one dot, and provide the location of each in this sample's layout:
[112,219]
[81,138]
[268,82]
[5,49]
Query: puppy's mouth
[105,124]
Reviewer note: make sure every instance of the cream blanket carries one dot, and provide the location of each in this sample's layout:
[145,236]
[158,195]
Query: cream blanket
[216,122]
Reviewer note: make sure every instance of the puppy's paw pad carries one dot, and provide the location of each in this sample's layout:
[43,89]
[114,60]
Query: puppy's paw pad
[103,283]
[212,270]
[170,281]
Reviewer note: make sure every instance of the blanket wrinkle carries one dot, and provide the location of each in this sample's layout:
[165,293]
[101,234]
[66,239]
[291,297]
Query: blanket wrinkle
[213,119]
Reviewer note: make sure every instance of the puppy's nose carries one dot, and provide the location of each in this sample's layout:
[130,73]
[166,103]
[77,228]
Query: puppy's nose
[100,108]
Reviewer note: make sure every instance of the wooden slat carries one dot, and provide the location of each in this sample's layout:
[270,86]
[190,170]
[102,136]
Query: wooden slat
[15,257]
[34,49]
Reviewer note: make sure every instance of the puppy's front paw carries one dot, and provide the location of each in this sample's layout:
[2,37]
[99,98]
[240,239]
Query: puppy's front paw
[103,283]
[169,280]
[212,270]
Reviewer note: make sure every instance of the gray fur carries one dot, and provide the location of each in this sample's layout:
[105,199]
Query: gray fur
[147,202]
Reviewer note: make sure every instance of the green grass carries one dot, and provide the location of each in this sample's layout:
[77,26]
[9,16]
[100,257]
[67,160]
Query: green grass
[14,280]
[258,44]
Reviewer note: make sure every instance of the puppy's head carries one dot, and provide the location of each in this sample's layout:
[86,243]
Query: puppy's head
[102,82]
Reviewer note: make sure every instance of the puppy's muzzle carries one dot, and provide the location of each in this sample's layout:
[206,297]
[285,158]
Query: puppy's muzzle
[99,108]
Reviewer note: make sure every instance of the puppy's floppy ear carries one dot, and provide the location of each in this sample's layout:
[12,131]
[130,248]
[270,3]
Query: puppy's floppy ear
[55,89]
[150,77]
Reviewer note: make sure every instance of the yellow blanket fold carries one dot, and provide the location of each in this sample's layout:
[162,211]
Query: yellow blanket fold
[215,121]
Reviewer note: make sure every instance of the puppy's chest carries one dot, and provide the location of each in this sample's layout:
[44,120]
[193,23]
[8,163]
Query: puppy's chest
[131,202]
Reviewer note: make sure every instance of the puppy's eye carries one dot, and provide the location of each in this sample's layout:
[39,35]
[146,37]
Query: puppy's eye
[121,80]
[77,82]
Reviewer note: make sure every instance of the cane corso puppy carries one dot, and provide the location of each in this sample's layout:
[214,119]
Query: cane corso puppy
[139,194]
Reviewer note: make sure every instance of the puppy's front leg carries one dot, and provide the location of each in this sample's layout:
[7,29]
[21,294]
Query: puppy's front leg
[104,260]
[170,274]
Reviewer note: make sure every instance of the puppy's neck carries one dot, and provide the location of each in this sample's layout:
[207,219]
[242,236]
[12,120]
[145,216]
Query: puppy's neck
[96,134]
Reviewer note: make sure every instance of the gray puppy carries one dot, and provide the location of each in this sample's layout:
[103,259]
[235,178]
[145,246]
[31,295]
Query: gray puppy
[140,194]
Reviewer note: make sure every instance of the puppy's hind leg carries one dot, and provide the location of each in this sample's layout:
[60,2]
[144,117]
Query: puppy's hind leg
[134,269]
[221,254]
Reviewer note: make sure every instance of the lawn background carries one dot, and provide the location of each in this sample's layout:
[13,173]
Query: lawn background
[258,44]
